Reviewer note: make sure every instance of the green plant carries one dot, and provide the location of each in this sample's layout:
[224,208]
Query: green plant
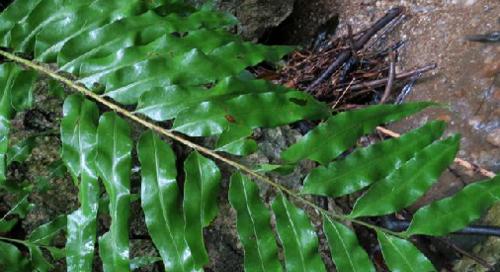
[173,62]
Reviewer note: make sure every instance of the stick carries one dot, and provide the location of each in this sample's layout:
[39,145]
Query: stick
[475,258]
[402,225]
[390,79]
[383,81]
[358,44]
[465,164]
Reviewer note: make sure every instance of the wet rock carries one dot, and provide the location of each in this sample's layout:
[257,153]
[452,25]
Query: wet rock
[309,19]
[281,21]
[255,16]
[494,137]
[488,250]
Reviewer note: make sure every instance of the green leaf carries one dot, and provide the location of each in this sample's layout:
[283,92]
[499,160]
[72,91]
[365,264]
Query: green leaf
[160,201]
[297,236]
[201,190]
[21,151]
[14,14]
[7,225]
[16,87]
[401,255]
[38,261]
[79,149]
[328,140]
[11,259]
[114,165]
[78,135]
[142,261]
[235,96]
[94,69]
[250,110]
[368,165]
[347,254]
[456,212]
[77,20]
[57,253]
[253,224]
[236,140]
[282,169]
[409,182]
[22,35]
[22,206]
[44,234]
[56,89]
[193,67]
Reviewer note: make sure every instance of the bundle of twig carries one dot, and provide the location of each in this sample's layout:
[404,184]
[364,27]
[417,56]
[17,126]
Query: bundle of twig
[354,69]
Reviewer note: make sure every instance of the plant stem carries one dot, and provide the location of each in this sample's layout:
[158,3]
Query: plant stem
[25,243]
[172,135]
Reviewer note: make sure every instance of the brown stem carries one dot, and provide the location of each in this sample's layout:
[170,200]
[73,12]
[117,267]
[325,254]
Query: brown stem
[461,162]
[358,44]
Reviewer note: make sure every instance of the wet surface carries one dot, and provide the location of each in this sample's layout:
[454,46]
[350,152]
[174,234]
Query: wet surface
[435,31]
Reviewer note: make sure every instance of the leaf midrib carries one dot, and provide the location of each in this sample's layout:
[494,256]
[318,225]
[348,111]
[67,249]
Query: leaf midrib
[162,203]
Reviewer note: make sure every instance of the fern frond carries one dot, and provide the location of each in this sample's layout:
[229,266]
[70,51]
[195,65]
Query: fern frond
[161,204]
[297,236]
[201,186]
[409,182]
[113,163]
[12,259]
[346,251]
[364,166]
[253,224]
[402,255]
[341,131]
[79,151]
[16,87]
[458,211]
[177,63]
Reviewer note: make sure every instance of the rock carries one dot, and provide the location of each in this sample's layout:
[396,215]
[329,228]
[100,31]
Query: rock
[281,21]
[494,137]
[255,16]
[309,19]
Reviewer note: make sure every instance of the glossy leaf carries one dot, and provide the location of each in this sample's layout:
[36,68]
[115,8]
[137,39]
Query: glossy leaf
[79,147]
[236,140]
[409,182]
[297,236]
[368,165]
[21,207]
[401,255]
[21,150]
[328,140]
[456,212]
[166,103]
[16,87]
[114,165]
[201,190]
[140,262]
[347,254]
[254,225]
[7,225]
[44,234]
[161,203]
[129,50]
[11,259]
[251,110]
[78,135]
[38,261]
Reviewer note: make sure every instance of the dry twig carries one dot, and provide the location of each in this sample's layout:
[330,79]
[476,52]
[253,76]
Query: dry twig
[465,164]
